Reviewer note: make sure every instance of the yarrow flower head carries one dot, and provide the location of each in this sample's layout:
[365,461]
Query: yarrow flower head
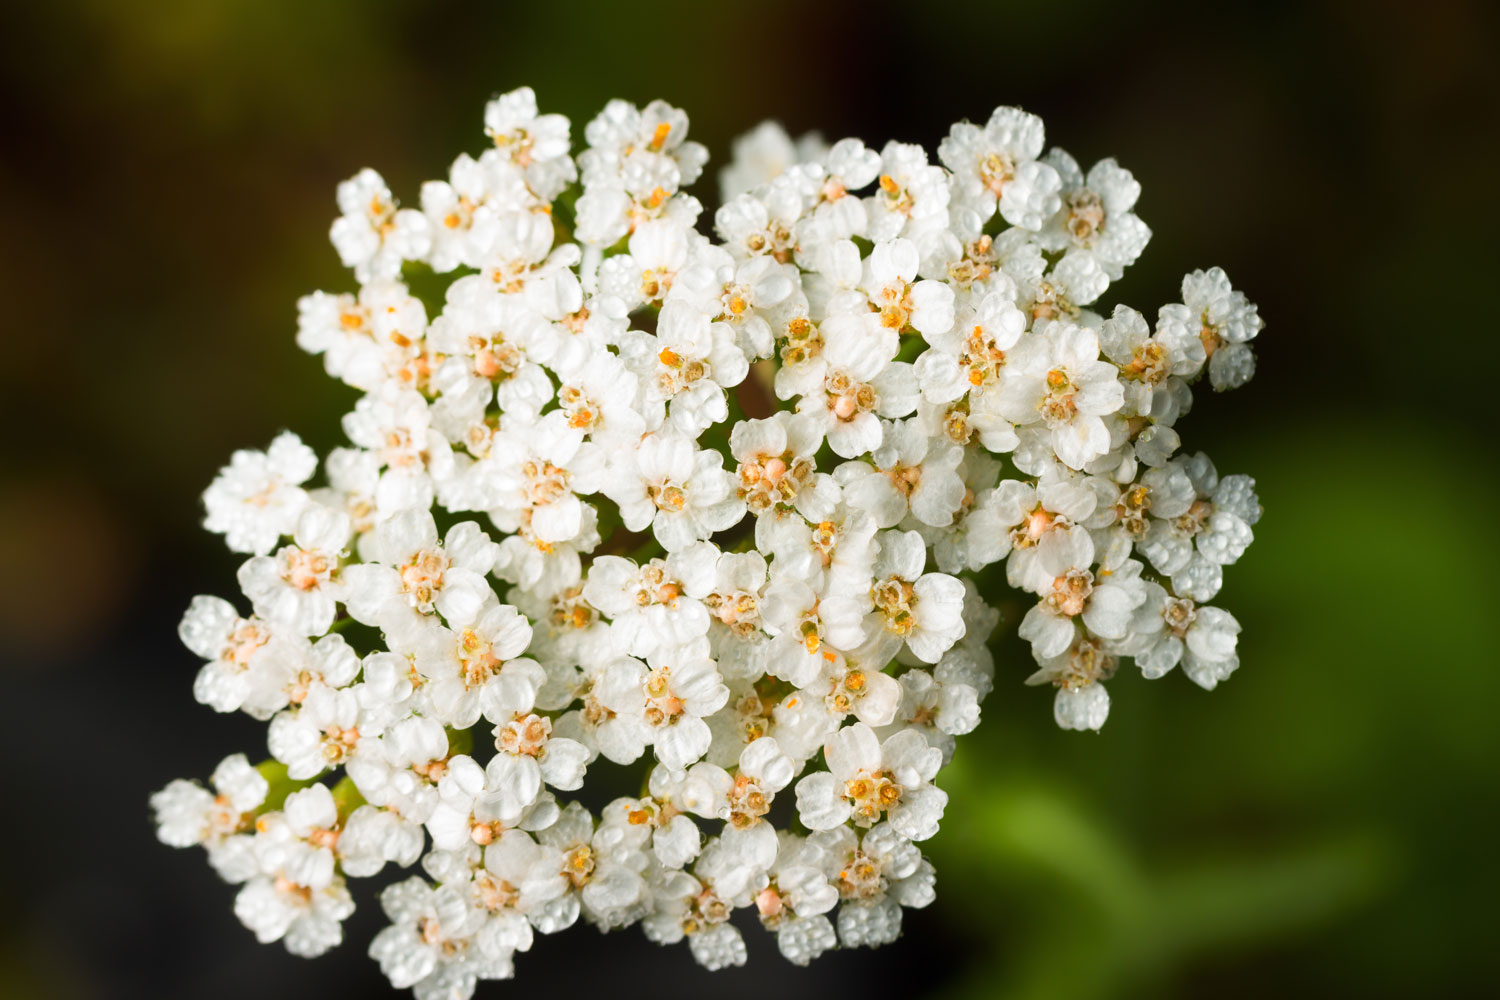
[720,515]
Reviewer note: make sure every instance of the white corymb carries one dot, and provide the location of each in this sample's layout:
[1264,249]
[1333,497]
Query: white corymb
[996,165]
[861,383]
[298,588]
[658,606]
[672,693]
[257,498]
[537,143]
[571,389]
[907,605]
[1061,384]
[1224,320]
[912,194]
[188,814]
[374,236]
[231,646]
[868,780]
[876,873]
[910,474]
[413,573]
[671,486]
[1096,219]
[685,367]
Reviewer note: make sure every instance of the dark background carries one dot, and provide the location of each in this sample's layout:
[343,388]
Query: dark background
[1322,824]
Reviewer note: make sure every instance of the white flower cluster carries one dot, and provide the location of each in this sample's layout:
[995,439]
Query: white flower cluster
[736,508]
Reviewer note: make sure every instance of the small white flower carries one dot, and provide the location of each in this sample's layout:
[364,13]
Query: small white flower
[528,756]
[760,156]
[232,645]
[431,944]
[1168,630]
[532,477]
[1103,603]
[1214,532]
[471,811]
[685,367]
[1152,366]
[396,424]
[794,901]
[1078,673]
[398,770]
[368,340]
[319,733]
[307,921]
[940,705]
[292,667]
[778,468]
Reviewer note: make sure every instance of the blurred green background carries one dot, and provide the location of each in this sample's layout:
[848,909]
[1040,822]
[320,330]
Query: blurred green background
[1322,824]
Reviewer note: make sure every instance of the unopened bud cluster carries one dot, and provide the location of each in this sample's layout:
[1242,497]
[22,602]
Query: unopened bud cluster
[736,507]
